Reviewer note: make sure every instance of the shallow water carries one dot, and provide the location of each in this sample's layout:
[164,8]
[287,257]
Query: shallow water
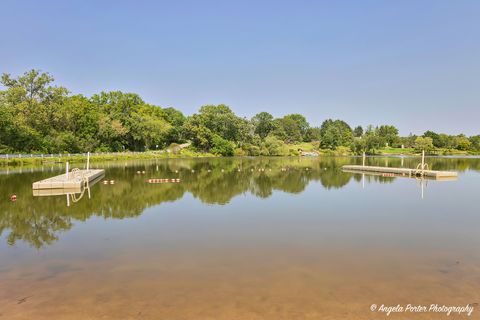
[264,238]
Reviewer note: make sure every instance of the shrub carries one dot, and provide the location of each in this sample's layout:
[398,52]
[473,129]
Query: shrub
[342,151]
[251,150]
[422,143]
[240,152]
[293,152]
[274,146]
[222,147]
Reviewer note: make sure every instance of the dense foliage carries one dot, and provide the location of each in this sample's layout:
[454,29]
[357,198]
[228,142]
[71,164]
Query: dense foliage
[37,117]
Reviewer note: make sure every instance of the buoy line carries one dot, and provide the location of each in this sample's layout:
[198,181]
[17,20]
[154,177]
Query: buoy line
[163,180]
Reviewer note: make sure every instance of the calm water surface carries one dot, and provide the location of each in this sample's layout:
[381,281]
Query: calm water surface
[265,238]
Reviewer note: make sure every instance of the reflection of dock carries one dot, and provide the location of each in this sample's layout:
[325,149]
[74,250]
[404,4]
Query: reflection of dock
[74,180]
[402,172]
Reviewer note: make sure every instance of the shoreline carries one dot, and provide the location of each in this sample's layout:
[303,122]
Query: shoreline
[18,161]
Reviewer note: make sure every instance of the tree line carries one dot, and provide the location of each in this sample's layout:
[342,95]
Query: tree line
[39,117]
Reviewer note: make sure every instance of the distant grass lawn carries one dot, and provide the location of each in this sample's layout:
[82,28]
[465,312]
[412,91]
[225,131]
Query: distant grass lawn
[397,151]
[437,151]
[305,146]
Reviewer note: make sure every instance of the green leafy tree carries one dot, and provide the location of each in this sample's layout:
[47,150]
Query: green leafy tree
[274,146]
[389,134]
[33,86]
[173,116]
[263,124]
[313,134]
[222,121]
[222,147]
[373,143]
[287,129]
[335,133]
[199,134]
[331,137]
[423,143]
[31,103]
[475,143]
[445,141]
[435,138]
[359,145]
[300,121]
[38,116]
[358,131]
[462,143]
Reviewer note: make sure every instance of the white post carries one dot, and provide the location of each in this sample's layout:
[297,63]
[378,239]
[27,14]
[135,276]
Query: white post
[363,159]
[423,160]
[66,170]
[88,161]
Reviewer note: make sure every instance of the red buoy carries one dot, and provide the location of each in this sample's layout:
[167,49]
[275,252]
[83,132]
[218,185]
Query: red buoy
[13,197]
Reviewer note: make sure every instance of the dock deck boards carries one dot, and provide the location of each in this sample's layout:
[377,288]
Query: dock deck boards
[401,171]
[72,182]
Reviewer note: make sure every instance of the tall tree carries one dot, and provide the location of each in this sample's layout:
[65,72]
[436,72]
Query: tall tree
[423,143]
[263,124]
[221,120]
[389,134]
[335,133]
[358,131]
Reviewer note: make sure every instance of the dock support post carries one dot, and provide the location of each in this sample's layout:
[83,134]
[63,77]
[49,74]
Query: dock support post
[66,170]
[363,159]
[88,161]
[423,162]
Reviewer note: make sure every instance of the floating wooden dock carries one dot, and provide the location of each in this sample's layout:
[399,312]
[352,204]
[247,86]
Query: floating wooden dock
[401,171]
[74,180]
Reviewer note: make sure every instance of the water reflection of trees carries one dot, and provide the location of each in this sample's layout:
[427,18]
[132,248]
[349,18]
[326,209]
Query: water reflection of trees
[39,220]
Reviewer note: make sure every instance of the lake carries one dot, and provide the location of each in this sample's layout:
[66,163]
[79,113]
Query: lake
[241,238]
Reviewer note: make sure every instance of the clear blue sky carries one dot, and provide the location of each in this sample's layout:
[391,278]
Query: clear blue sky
[414,64]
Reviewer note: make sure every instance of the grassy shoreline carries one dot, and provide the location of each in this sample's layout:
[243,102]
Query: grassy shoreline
[148,155]
[436,152]
[291,150]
